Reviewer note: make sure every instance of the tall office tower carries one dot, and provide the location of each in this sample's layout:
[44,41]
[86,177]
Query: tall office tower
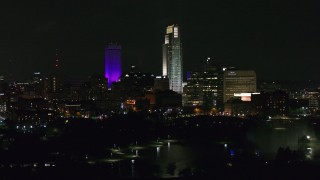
[210,84]
[203,87]
[194,89]
[112,63]
[172,58]
[238,81]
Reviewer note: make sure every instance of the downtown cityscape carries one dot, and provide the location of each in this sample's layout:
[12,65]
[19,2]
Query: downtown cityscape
[174,107]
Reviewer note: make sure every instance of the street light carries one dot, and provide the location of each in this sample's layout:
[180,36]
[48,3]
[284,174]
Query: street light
[303,140]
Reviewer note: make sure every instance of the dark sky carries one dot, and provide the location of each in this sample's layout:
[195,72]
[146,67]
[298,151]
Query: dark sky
[279,39]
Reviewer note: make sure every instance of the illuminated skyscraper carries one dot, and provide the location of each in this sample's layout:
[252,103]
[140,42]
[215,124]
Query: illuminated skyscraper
[238,81]
[172,58]
[203,87]
[112,63]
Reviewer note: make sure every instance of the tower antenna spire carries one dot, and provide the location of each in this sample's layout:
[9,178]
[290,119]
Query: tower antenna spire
[57,60]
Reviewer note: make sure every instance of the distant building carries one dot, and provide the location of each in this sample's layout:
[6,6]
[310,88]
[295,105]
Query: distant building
[313,97]
[161,83]
[137,104]
[134,82]
[211,85]
[97,87]
[238,81]
[37,84]
[31,111]
[271,103]
[194,90]
[55,86]
[172,58]
[79,109]
[3,103]
[269,86]
[237,107]
[168,99]
[27,118]
[113,67]
[304,102]
[133,85]
[75,90]
[203,87]
[55,83]
[32,102]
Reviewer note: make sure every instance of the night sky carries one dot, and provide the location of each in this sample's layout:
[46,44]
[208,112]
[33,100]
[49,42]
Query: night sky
[278,39]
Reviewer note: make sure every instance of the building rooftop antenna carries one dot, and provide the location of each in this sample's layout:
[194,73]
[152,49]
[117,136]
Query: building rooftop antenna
[57,60]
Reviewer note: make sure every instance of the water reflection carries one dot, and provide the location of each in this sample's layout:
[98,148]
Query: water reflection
[158,151]
[171,158]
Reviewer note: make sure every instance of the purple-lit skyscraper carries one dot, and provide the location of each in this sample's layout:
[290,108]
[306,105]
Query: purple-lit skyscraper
[112,63]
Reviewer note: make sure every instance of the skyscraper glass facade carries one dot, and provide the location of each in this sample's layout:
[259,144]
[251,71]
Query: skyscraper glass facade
[172,58]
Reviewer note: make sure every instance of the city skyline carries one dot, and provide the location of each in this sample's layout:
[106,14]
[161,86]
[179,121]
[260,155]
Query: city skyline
[159,89]
[272,38]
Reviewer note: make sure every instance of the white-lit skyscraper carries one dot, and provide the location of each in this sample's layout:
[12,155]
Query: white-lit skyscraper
[172,58]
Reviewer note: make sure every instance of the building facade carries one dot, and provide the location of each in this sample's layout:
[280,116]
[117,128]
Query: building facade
[274,103]
[203,87]
[194,89]
[172,58]
[113,69]
[238,81]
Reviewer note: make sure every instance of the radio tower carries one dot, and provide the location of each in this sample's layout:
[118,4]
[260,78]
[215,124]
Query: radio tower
[55,79]
[57,61]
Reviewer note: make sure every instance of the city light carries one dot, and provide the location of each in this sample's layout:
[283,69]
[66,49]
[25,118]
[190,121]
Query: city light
[232,91]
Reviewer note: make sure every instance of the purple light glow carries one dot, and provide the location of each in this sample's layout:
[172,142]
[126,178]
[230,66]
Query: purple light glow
[112,63]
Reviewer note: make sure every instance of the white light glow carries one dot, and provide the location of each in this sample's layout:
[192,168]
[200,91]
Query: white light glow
[175,32]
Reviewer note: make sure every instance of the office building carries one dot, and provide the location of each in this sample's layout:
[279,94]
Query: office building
[211,84]
[238,81]
[274,103]
[113,68]
[203,87]
[172,58]
[161,83]
[194,89]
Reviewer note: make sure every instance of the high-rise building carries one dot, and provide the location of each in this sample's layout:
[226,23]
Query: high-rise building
[203,87]
[211,84]
[172,58]
[238,81]
[135,80]
[112,63]
[194,89]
